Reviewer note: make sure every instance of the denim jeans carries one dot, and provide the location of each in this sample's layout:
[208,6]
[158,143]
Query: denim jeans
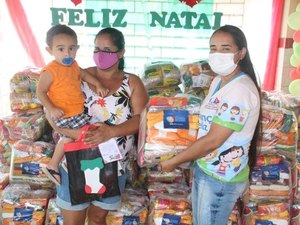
[212,199]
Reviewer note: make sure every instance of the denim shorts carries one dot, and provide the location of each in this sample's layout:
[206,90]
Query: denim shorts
[212,199]
[63,199]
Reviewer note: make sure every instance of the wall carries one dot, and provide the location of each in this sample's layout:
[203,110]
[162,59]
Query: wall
[143,43]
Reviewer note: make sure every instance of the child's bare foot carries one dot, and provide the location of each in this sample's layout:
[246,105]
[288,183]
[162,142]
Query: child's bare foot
[52,174]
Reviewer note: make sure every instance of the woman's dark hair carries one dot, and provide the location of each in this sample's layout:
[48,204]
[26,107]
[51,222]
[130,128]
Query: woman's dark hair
[117,39]
[59,29]
[247,67]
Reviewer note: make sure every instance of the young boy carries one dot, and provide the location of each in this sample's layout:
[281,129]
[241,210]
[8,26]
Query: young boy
[59,89]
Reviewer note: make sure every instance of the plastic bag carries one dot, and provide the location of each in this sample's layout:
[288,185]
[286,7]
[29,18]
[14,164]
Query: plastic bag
[89,178]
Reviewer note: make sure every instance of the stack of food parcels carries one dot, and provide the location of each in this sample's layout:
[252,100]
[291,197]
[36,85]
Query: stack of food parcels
[24,135]
[273,181]
[21,204]
[23,90]
[134,208]
[161,78]
[168,125]
[53,214]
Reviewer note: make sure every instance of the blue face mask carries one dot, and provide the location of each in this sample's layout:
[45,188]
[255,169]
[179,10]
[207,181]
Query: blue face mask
[67,61]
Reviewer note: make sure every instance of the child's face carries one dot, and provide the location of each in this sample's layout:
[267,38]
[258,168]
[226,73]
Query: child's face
[63,46]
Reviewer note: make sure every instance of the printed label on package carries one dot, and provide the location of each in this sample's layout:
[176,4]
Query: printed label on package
[30,168]
[270,172]
[176,119]
[170,219]
[131,220]
[263,222]
[23,215]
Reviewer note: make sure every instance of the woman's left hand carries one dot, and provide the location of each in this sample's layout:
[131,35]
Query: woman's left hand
[99,133]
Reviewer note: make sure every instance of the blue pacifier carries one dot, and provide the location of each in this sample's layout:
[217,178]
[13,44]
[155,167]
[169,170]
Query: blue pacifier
[68,61]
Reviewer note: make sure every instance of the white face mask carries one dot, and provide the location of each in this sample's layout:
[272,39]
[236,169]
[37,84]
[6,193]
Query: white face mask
[222,63]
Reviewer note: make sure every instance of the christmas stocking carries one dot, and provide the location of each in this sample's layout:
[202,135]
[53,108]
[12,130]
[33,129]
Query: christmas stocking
[91,169]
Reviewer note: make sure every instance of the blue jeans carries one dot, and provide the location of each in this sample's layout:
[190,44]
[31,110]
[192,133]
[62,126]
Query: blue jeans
[212,199]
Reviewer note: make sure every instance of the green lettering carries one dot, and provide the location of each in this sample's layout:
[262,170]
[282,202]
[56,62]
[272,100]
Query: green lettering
[174,20]
[105,22]
[57,15]
[203,21]
[188,19]
[156,17]
[217,24]
[74,19]
[89,18]
[120,16]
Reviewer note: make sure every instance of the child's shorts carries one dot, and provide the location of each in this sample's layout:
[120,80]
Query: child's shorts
[73,122]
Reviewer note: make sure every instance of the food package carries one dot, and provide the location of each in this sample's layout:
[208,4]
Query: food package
[24,101]
[196,75]
[28,125]
[22,205]
[271,179]
[23,90]
[28,159]
[266,213]
[5,154]
[168,126]
[279,132]
[53,214]
[161,78]
[134,208]
[25,80]
[171,206]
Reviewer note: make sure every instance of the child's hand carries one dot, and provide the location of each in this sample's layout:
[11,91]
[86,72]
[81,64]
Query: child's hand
[56,113]
[102,91]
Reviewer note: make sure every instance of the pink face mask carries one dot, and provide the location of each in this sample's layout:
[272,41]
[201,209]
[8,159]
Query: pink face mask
[105,60]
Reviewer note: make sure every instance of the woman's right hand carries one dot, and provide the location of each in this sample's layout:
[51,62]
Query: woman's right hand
[99,133]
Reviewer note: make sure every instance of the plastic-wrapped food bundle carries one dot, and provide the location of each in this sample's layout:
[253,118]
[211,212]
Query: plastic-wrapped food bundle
[5,154]
[270,178]
[53,214]
[28,125]
[266,213]
[22,205]
[23,101]
[134,207]
[28,158]
[23,90]
[161,78]
[170,207]
[168,126]
[196,76]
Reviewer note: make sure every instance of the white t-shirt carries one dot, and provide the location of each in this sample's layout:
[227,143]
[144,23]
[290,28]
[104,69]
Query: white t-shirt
[235,106]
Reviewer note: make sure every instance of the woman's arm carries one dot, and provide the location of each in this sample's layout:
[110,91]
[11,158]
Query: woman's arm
[216,136]
[103,132]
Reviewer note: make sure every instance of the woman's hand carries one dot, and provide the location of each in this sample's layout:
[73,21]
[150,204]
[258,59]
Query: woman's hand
[167,166]
[99,133]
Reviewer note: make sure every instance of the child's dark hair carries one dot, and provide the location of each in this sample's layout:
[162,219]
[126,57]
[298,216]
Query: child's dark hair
[247,67]
[59,29]
[117,39]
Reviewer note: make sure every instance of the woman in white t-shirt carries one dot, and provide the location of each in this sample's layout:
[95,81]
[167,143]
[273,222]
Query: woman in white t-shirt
[226,145]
